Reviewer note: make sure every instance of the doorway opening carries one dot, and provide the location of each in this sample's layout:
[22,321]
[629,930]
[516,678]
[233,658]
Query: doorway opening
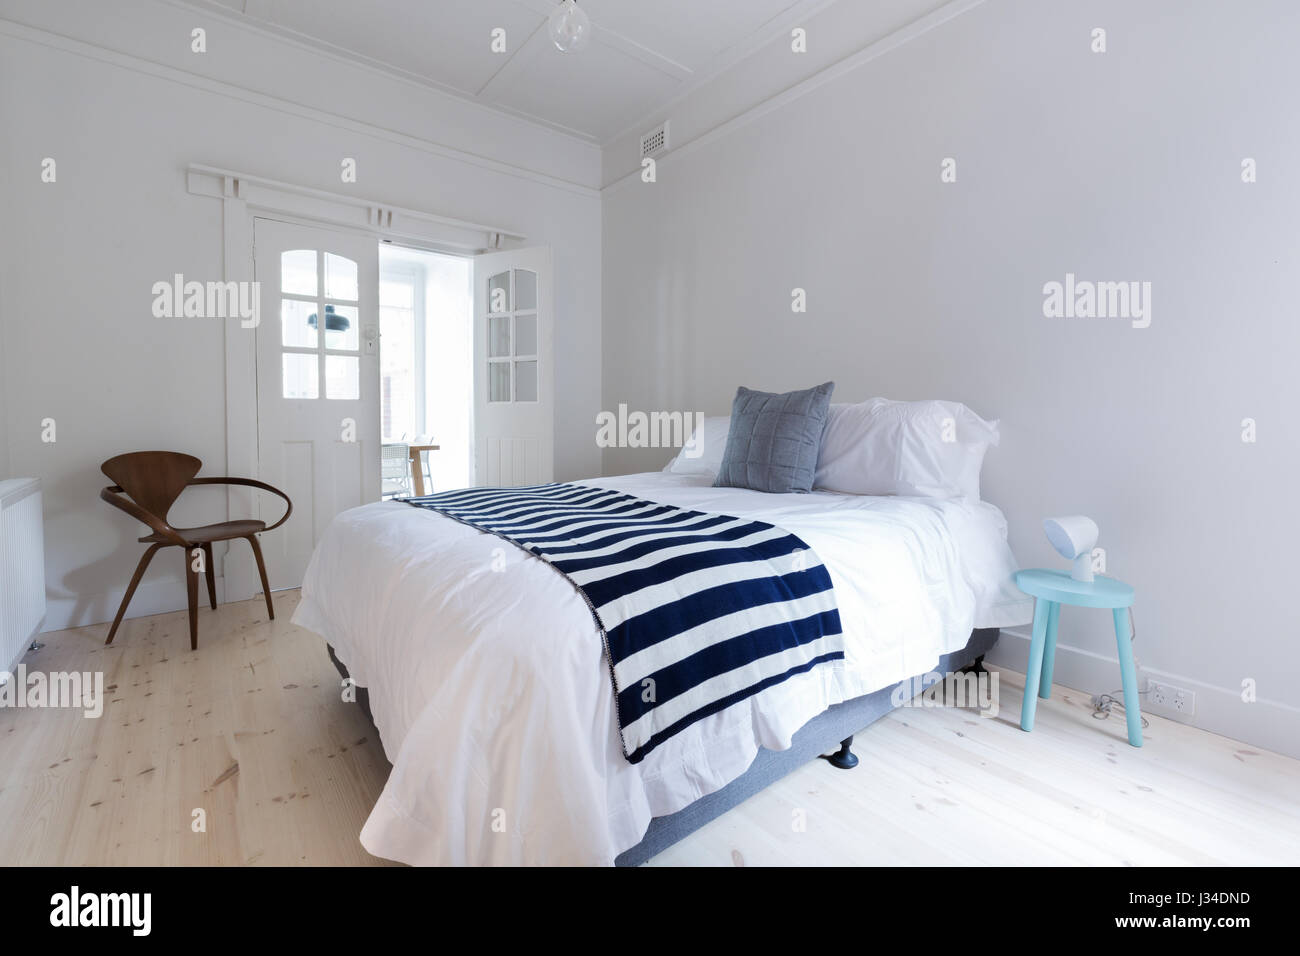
[426,370]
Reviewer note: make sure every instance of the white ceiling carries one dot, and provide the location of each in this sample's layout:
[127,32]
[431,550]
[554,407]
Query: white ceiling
[643,53]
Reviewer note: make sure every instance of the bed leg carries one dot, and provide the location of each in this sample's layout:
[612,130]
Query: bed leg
[844,758]
[975,667]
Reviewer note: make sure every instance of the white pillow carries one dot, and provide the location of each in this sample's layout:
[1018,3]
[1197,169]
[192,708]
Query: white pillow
[702,454]
[930,449]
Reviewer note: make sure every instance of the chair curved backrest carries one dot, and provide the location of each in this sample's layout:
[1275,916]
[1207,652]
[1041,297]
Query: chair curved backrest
[152,479]
[394,460]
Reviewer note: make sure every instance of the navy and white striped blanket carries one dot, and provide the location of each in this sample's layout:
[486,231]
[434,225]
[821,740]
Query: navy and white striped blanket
[697,611]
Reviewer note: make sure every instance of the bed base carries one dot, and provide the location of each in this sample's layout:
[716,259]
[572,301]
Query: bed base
[830,730]
[825,732]
[846,759]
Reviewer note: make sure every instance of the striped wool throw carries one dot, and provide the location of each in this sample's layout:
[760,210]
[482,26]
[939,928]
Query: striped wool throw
[697,611]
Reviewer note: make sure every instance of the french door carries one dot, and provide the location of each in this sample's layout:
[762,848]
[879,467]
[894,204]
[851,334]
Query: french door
[317,381]
[514,379]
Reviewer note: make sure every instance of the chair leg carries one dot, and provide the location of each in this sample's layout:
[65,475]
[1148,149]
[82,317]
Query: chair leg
[211,575]
[192,592]
[130,589]
[261,569]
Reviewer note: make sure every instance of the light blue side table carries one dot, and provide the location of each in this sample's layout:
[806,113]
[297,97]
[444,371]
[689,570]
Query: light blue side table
[1052,589]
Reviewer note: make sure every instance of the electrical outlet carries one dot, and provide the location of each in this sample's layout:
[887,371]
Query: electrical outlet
[1175,700]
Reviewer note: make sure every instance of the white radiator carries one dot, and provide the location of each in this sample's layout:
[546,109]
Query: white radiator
[22,568]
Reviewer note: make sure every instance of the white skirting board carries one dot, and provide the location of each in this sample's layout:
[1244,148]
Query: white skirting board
[1265,723]
[151,597]
[22,567]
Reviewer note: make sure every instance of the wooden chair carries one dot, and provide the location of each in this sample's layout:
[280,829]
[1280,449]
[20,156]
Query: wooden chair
[153,480]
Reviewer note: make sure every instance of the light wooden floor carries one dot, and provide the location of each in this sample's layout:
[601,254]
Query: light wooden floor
[250,728]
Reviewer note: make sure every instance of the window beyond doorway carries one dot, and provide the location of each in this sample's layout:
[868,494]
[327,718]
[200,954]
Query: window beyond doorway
[426,359]
[401,293]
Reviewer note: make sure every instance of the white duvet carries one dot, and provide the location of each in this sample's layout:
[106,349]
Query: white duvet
[493,701]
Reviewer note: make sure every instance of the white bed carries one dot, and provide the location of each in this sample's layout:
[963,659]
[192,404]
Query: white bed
[492,699]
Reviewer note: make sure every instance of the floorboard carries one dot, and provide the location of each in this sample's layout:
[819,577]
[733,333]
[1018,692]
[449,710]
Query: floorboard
[251,730]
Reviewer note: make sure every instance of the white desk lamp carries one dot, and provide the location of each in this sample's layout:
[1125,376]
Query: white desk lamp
[1074,537]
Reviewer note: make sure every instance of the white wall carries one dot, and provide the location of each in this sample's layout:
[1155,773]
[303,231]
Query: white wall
[1116,166]
[114,95]
[5,471]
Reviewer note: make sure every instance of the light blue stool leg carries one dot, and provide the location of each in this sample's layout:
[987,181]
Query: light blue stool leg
[1128,674]
[1049,651]
[1034,670]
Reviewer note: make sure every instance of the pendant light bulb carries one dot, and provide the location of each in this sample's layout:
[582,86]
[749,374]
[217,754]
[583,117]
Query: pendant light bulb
[570,29]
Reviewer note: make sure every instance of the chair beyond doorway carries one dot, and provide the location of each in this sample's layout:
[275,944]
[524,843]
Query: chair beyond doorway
[403,469]
[395,469]
[152,481]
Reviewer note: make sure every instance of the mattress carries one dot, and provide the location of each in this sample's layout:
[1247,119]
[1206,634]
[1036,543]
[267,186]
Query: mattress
[492,700]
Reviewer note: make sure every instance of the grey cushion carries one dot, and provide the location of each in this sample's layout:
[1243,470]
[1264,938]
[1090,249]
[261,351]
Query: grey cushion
[774,439]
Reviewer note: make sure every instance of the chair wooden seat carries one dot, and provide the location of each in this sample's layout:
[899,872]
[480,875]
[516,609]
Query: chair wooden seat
[208,533]
[147,484]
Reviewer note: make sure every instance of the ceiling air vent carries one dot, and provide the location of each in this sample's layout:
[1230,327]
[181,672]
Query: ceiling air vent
[656,141]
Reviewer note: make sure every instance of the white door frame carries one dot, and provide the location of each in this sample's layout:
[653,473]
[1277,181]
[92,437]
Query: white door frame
[243,198]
